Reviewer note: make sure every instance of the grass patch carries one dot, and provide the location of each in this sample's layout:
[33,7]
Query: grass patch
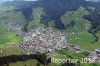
[25,63]
[85,40]
[66,54]
[8,37]
[10,51]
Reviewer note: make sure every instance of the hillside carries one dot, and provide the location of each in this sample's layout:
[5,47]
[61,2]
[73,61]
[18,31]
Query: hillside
[55,11]
[44,24]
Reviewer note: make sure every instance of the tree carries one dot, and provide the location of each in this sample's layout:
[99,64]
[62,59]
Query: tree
[38,64]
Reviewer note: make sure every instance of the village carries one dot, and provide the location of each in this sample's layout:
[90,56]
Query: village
[15,27]
[43,41]
[47,40]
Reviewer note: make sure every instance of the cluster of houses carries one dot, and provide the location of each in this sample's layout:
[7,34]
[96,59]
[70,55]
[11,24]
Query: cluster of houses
[15,27]
[95,55]
[43,41]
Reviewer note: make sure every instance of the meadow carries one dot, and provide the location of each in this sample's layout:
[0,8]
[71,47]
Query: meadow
[85,40]
[8,37]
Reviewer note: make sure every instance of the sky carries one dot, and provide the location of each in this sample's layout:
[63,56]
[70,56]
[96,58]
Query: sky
[13,0]
[93,0]
[36,0]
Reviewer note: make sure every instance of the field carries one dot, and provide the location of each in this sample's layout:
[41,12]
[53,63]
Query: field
[8,37]
[85,40]
[68,53]
[7,16]
[26,63]
[10,51]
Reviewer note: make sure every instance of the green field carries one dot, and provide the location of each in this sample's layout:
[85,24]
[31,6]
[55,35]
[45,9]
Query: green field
[26,63]
[34,63]
[8,37]
[7,51]
[69,54]
[85,40]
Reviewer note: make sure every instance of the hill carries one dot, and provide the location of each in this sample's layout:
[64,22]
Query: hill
[78,20]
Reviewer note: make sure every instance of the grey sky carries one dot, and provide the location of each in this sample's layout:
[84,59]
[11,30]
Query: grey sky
[13,0]
[36,0]
[94,0]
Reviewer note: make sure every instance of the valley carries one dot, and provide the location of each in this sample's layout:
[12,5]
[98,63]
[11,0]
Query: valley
[65,30]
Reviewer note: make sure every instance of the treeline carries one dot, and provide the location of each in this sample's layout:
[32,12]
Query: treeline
[41,58]
[15,58]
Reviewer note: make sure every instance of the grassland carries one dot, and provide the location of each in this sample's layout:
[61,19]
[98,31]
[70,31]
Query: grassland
[85,40]
[7,15]
[31,62]
[90,64]
[10,51]
[8,37]
[69,54]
